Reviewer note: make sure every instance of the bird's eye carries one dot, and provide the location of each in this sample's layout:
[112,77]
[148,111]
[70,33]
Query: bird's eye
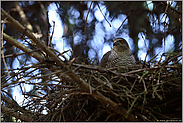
[121,41]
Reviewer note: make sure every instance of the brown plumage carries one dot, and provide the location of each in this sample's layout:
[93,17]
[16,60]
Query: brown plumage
[120,55]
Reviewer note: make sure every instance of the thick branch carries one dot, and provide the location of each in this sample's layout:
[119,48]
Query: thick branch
[22,47]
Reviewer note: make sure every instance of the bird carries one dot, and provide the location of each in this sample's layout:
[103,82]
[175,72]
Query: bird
[120,55]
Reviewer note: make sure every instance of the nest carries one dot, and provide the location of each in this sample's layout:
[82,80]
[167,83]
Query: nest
[147,91]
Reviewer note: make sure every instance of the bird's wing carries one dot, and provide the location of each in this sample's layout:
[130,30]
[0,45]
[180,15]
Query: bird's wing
[105,59]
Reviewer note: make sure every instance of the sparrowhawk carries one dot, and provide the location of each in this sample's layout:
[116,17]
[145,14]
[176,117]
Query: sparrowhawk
[120,55]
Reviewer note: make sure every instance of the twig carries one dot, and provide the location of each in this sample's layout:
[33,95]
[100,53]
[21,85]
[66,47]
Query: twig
[48,29]
[52,33]
[128,112]
[126,17]
[71,62]
[2,50]
[153,57]
[81,109]
[164,116]
[114,17]
[165,12]
[14,55]
[103,15]
[22,47]
[141,79]
[145,58]
[26,23]
[133,85]
[87,16]
[100,69]
[60,54]
[123,22]
[164,3]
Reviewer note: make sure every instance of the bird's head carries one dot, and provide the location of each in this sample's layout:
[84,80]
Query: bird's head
[120,45]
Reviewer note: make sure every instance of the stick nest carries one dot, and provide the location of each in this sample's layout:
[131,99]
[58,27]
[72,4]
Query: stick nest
[150,91]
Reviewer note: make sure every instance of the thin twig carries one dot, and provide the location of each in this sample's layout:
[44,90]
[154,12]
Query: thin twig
[2,50]
[172,8]
[14,55]
[81,109]
[145,58]
[52,33]
[126,17]
[48,29]
[87,16]
[123,22]
[103,15]
[114,17]
[60,54]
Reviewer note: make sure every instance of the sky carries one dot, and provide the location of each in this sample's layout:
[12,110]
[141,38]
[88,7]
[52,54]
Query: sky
[98,40]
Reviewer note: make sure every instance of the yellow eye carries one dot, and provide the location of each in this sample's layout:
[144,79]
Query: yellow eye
[121,41]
